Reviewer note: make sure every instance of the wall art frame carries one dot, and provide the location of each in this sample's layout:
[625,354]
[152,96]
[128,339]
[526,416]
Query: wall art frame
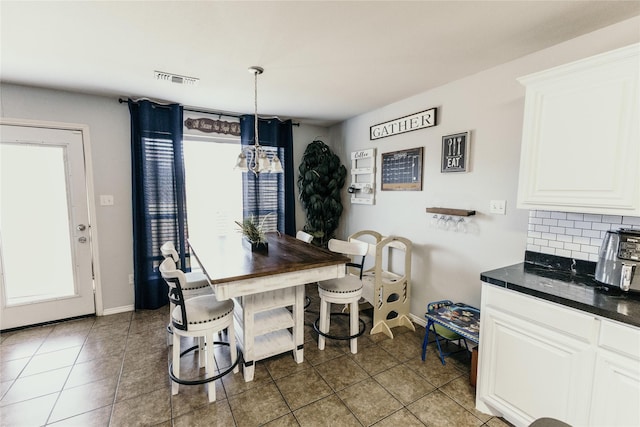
[402,170]
[421,120]
[455,152]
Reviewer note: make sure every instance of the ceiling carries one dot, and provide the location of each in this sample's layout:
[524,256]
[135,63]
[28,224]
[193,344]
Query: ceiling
[325,61]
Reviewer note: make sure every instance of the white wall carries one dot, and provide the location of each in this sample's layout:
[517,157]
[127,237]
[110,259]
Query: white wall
[447,265]
[110,145]
[304,135]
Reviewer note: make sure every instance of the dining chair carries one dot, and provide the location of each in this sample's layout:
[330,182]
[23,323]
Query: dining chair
[199,317]
[307,238]
[196,283]
[346,290]
[195,279]
[304,236]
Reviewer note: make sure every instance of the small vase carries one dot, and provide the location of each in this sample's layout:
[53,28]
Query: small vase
[262,247]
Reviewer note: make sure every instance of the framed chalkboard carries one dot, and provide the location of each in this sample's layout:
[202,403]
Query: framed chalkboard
[402,170]
[455,152]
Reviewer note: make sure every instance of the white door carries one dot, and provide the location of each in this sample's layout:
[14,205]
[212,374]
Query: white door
[45,235]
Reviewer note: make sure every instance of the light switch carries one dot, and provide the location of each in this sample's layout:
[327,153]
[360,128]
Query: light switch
[498,207]
[106,200]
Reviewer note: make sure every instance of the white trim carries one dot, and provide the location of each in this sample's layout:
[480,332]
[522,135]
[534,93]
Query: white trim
[84,129]
[116,310]
[419,320]
[88,161]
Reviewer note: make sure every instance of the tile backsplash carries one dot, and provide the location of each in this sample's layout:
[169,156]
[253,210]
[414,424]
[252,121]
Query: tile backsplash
[573,235]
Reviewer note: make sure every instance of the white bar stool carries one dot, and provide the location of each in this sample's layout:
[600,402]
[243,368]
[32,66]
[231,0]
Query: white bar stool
[196,283]
[347,291]
[199,317]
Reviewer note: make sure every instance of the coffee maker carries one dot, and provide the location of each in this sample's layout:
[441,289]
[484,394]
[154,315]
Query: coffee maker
[619,260]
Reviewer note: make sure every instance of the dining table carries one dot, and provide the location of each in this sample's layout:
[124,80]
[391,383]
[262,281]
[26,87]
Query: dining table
[267,287]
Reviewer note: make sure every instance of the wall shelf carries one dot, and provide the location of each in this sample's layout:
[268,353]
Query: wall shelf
[363,177]
[449,211]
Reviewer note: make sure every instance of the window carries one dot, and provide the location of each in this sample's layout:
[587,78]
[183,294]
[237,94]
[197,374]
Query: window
[264,195]
[216,195]
[213,188]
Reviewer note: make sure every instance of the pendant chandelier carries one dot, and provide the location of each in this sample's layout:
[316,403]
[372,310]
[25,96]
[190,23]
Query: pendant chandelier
[254,157]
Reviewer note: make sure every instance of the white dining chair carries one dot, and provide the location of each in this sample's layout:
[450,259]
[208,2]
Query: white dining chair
[304,236]
[199,317]
[346,290]
[196,283]
[307,238]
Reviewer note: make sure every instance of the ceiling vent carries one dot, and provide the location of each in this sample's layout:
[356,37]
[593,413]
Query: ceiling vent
[175,78]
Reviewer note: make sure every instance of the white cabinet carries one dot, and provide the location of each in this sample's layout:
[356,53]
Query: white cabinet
[581,136]
[540,359]
[616,383]
[533,359]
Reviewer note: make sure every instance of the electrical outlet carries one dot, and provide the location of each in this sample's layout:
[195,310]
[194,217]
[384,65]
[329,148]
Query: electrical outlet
[498,207]
[106,200]
[131,279]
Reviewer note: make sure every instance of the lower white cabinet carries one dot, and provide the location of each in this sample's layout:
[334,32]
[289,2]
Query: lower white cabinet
[540,359]
[616,382]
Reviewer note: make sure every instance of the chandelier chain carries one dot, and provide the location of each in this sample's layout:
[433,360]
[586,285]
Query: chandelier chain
[255,107]
[254,158]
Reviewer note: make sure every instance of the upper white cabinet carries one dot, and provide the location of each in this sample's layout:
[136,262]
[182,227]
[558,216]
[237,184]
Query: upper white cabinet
[581,136]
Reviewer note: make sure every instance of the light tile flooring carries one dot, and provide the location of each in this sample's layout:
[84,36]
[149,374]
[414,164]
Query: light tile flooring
[112,371]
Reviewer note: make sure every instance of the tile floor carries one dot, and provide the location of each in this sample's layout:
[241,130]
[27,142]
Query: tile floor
[112,371]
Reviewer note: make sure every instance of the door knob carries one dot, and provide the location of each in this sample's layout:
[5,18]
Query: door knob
[82,239]
[81,227]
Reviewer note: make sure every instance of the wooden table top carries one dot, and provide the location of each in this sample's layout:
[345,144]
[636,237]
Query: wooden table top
[229,258]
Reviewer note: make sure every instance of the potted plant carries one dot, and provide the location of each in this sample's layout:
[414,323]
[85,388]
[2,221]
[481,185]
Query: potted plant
[253,231]
[320,181]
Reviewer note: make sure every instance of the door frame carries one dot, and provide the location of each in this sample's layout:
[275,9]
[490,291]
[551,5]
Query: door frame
[91,202]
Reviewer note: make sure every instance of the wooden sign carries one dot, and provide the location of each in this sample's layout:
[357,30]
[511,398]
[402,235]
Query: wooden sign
[211,126]
[402,170]
[455,152]
[421,120]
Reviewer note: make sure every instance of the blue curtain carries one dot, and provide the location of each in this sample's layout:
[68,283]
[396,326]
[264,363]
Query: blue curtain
[270,192]
[159,206]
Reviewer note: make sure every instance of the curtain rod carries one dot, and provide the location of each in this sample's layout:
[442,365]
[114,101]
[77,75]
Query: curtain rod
[193,110]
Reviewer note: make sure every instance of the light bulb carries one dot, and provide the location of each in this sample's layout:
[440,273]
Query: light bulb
[241,163]
[276,166]
[263,162]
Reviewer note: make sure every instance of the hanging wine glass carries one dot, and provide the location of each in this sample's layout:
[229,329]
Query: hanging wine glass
[461,226]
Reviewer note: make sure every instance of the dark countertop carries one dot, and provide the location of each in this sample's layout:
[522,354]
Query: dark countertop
[579,291]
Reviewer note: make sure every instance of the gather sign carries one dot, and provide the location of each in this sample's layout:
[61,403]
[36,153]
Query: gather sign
[421,120]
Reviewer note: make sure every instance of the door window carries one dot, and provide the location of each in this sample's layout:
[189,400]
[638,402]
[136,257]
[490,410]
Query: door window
[34,203]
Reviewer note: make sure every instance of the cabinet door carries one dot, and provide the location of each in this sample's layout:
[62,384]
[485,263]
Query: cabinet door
[529,371]
[616,384]
[616,391]
[580,150]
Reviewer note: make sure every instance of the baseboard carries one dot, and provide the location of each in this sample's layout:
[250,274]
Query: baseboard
[116,310]
[418,320]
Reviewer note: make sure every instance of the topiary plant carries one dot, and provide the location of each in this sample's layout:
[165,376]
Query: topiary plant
[320,181]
